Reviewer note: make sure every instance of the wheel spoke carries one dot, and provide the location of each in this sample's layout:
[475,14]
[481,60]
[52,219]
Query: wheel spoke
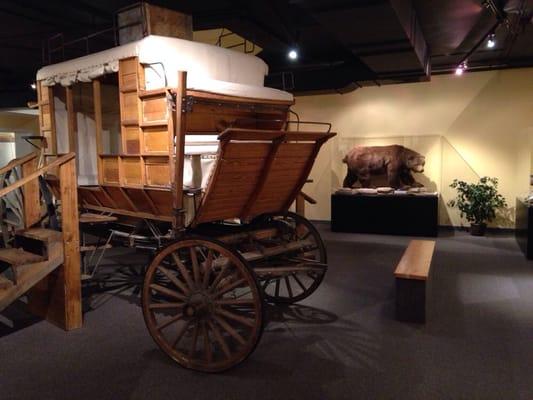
[288,284]
[195,266]
[230,287]
[168,322]
[181,332]
[208,265]
[228,328]
[219,339]
[243,320]
[184,271]
[207,344]
[265,283]
[219,277]
[168,292]
[232,301]
[165,306]
[194,339]
[298,281]
[174,279]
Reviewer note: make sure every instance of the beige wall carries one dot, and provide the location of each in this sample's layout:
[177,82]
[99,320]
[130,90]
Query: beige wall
[10,121]
[474,125]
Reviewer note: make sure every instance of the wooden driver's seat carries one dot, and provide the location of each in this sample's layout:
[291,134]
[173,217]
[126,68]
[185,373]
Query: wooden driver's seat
[258,172]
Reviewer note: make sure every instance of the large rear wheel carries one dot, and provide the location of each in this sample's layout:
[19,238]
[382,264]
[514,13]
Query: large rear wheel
[202,305]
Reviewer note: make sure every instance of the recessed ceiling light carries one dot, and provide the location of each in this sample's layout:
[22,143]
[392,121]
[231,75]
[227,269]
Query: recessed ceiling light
[292,54]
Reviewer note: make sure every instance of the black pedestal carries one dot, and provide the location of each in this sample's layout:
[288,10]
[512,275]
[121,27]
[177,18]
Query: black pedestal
[385,214]
[524,220]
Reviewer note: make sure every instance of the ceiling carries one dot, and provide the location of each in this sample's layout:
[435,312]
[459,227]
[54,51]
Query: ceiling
[342,44]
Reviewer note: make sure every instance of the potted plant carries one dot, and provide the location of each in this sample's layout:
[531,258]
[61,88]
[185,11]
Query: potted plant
[478,202]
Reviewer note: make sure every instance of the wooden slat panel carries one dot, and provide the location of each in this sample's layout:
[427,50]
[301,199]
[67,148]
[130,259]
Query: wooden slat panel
[110,169]
[46,123]
[140,201]
[44,94]
[129,108]
[229,194]
[86,196]
[156,140]
[157,171]
[162,200]
[128,70]
[285,176]
[247,150]
[215,118]
[103,198]
[131,169]
[119,198]
[132,139]
[154,109]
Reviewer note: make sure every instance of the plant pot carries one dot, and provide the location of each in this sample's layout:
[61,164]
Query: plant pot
[478,229]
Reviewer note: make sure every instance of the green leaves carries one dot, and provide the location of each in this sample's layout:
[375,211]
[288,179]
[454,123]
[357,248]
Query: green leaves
[478,202]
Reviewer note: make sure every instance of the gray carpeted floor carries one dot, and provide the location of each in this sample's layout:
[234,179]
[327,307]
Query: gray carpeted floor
[342,343]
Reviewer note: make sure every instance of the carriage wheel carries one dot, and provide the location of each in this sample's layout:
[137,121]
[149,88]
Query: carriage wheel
[299,284]
[202,305]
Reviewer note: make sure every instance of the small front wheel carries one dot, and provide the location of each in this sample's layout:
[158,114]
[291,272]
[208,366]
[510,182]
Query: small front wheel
[289,285]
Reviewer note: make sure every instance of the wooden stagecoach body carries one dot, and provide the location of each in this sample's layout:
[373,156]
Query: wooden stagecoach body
[145,179]
[214,283]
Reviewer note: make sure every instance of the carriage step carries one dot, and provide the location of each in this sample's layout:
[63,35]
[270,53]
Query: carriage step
[28,275]
[41,234]
[15,257]
[284,270]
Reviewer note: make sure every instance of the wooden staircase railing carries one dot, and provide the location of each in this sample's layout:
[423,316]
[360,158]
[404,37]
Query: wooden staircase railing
[60,303]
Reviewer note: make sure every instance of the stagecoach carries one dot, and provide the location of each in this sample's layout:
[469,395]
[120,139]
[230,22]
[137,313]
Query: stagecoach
[181,149]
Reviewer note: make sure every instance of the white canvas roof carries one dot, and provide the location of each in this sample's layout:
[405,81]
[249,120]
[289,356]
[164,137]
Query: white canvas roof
[209,68]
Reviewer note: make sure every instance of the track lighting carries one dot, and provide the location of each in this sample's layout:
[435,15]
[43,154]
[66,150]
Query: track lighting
[461,68]
[491,42]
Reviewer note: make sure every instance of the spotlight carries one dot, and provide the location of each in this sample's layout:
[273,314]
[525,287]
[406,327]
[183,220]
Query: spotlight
[292,54]
[461,68]
[33,86]
[491,42]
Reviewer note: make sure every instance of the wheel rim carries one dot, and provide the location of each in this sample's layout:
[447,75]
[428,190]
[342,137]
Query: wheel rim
[201,305]
[297,285]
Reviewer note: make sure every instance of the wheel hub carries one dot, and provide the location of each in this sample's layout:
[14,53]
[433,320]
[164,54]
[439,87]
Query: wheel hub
[198,305]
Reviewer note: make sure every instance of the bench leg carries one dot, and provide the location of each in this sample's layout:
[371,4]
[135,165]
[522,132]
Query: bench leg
[410,300]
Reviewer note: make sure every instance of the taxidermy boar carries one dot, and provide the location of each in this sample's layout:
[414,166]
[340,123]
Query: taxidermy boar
[396,161]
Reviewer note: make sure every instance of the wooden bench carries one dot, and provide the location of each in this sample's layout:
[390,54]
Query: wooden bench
[411,275]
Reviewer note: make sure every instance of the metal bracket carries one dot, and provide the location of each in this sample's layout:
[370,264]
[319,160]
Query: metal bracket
[187,104]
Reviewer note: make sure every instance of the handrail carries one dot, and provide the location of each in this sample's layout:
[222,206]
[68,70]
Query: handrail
[60,161]
[18,161]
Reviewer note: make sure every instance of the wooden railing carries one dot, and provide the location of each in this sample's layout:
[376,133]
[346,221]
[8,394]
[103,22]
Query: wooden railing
[64,305]
[18,162]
